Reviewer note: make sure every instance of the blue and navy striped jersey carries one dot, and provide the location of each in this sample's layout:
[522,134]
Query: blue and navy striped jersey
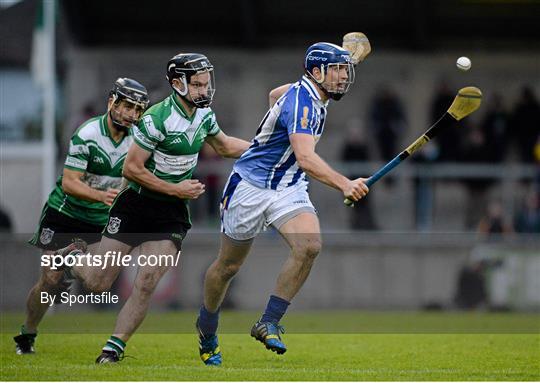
[270,162]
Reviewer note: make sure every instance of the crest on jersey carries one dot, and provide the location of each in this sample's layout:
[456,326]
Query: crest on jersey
[304,120]
[46,236]
[114,225]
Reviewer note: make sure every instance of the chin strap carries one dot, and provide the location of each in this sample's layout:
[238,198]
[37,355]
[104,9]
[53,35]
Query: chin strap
[178,92]
[319,82]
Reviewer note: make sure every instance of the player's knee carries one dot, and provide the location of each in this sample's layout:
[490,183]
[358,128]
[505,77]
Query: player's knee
[145,285]
[98,285]
[146,290]
[48,286]
[49,280]
[308,249]
[228,270]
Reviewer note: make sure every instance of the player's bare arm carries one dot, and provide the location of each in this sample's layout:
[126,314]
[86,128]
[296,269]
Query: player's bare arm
[134,170]
[227,146]
[304,149]
[276,93]
[73,185]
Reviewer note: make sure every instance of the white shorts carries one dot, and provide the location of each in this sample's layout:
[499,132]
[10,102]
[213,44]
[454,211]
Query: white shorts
[247,209]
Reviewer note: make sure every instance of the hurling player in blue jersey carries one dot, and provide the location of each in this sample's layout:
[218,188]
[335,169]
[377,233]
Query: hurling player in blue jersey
[268,186]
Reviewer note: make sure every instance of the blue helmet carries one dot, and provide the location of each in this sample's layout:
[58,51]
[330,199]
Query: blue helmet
[325,56]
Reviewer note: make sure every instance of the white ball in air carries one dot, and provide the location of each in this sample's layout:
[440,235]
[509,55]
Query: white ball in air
[463,63]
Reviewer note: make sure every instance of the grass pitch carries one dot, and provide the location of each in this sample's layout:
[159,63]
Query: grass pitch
[422,351]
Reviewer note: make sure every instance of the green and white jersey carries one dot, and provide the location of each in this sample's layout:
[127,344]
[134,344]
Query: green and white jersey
[93,152]
[174,139]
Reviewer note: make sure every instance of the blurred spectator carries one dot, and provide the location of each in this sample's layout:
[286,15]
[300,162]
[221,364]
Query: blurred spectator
[471,287]
[475,150]
[5,222]
[356,150]
[355,147]
[528,218]
[495,130]
[525,127]
[449,138]
[494,225]
[387,121]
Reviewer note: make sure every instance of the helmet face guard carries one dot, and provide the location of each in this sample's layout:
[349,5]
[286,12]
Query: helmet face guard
[129,91]
[120,120]
[333,62]
[336,88]
[189,69]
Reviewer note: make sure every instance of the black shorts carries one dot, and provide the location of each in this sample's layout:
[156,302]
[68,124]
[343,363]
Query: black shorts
[135,218]
[57,230]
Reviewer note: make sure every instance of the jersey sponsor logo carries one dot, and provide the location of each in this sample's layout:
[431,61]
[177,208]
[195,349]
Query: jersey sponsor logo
[143,139]
[171,161]
[114,225]
[175,164]
[76,163]
[46,236]
[304,120]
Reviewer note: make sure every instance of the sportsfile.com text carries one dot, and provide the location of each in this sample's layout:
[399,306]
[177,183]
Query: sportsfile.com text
[109,259]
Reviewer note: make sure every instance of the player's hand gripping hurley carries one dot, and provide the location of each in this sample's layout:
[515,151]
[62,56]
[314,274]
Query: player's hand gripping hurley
[466,101]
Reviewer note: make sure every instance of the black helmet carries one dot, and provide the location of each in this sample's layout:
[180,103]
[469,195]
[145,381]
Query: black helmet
[183,66]
[130,90]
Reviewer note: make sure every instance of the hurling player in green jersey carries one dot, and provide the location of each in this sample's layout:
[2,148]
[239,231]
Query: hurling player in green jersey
[152,212]
[79,205]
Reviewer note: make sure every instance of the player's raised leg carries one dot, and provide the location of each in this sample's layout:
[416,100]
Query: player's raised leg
[302,234]
[134,310]
[218,277]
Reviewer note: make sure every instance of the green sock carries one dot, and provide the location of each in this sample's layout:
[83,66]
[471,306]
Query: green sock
[25,332]
[115,344]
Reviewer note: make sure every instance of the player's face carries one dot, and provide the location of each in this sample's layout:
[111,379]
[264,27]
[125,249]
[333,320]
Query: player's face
[125,113]
[338,78]
[200,87]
